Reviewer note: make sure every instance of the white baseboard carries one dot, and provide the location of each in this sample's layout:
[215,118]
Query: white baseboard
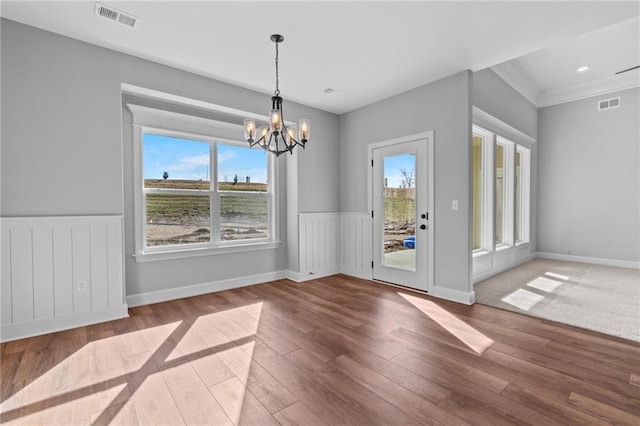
[302,276]
[358,273]
[467,298]
[594,260]
[204,288]
[38,327]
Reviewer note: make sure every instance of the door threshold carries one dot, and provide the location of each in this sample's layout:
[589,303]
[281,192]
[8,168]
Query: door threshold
[403,287]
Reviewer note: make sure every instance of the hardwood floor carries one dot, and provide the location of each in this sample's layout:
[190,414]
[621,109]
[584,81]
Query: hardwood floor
[332,351]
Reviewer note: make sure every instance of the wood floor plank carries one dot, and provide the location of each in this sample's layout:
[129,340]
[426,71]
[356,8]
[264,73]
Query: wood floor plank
[194,400]
[151,398]
[604,411]
[240,405]
[419,408]
[298,414]
[269,391]
[334,350]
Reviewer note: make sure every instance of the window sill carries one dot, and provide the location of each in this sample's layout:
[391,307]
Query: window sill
[203,251]
[480,253]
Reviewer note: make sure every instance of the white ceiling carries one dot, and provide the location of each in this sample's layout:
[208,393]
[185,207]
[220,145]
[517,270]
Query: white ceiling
[550,75]
[366,51]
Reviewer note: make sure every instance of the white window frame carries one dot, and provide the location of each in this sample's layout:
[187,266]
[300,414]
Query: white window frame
[525,194]
[151,120]
[508,207]
[486,210]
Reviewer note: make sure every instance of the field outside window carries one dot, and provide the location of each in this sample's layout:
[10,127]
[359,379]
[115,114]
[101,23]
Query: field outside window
[203,192]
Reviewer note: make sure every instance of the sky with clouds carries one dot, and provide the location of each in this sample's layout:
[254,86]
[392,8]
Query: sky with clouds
[393,167]
[189,159]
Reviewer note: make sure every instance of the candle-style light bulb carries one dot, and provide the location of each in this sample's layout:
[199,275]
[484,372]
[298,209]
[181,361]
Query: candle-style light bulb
[276,120]
[249,129]
[304,130]
[292,135]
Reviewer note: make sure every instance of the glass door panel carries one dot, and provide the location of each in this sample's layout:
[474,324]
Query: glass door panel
[399,204]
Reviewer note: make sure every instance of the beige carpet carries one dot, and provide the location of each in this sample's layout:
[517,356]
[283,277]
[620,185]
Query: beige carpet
[600,298]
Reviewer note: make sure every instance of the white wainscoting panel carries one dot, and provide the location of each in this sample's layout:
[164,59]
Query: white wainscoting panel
[60,273]
[355,244]
[319,250]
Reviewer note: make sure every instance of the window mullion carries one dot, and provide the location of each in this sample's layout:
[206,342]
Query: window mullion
[489,185]
[215,196]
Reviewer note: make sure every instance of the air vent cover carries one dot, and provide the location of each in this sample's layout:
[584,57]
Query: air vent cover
[608,104]
[116,15]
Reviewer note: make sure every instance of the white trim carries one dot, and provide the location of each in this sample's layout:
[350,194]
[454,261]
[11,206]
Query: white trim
[467,298]
[209,131]
[487,186]
[528,88]
[494,125]
[190,252]
[38,327]
[589,89]
[300,277]
[181,100]
[593,260]
[500,269]
[430,137]
[525,195]
[519,80]
[508,196]
[203,288]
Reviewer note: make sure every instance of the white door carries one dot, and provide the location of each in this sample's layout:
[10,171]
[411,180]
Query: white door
[402,213]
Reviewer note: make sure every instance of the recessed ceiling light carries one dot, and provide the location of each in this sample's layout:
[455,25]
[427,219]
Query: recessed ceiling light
[583,68]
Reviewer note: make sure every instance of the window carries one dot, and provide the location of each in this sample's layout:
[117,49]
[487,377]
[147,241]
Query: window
[522,178]
[198,191]
[478,193]
[503,209]
[500,191]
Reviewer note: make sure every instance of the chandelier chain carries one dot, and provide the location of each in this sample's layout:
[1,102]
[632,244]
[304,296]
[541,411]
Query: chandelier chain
[277,92]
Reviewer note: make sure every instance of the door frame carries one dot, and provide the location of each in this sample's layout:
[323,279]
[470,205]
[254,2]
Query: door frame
[429,136]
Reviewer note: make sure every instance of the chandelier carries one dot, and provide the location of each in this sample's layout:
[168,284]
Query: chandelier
[276,137]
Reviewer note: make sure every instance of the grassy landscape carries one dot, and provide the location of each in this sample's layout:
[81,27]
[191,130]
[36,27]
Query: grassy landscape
[180,219]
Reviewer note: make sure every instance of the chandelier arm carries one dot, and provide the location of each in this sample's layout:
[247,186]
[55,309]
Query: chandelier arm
[286,132]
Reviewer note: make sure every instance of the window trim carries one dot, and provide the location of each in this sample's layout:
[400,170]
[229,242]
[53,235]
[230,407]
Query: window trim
[166,123]
[494,131]
[487,185]
[508,207]
[525,195]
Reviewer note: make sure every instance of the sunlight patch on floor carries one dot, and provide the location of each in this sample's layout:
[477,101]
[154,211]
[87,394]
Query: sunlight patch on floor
[108,375]
[523,299]
[458,328]
[558,276]
[545,284]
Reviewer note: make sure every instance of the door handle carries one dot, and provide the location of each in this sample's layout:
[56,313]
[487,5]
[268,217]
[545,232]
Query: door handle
[423,226]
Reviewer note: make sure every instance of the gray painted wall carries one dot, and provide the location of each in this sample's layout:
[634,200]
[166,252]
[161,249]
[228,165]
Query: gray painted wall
[496,97]
[443,106]
[62,145]
[589,178]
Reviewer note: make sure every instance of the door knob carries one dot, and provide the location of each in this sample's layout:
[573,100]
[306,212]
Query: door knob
[423,226]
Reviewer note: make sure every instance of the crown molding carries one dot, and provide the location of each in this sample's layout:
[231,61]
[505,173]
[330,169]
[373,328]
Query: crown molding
[519,80]
[593,88]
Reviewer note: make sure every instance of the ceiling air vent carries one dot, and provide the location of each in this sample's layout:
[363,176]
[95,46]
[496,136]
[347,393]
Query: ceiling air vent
[115,15]
[608,104]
